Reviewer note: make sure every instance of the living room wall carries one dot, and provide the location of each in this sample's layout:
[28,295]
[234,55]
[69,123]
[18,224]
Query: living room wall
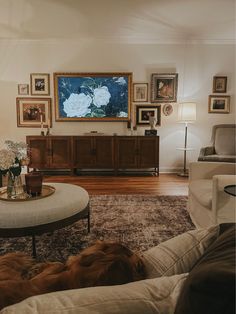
[196,65]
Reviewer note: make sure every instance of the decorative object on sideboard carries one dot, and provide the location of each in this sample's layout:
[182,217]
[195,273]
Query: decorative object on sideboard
[23,89]
[167,109]
[140,92]
[218,104]
[12,158]
[93,96]
[33,183]
[150,132]
[164,87]
[40,84]
[30,109]
[186,114]
[148,114]
[219,84]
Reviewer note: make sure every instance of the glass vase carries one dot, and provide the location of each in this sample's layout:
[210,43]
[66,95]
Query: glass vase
[14,187]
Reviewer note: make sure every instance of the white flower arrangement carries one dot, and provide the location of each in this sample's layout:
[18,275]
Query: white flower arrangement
[13,157]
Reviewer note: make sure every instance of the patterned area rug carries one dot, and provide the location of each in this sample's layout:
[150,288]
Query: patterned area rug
[138,221]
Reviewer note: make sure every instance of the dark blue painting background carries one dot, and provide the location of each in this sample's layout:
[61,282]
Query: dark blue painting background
[119,92]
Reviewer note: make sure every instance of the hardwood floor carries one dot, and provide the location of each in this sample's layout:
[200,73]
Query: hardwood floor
[165,184]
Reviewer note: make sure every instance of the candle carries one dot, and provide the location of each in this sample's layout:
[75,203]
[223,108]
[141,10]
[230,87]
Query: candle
[41,118]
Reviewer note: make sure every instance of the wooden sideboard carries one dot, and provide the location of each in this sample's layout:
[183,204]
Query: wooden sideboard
[116,153]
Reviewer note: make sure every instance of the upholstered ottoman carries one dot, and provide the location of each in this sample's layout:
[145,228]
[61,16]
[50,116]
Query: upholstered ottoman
[68,204]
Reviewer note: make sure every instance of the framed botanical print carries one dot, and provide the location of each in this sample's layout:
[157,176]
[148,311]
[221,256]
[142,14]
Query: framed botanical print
[140,92]
[144,113]
[40,84]
[218,104]
[164,87]
[23,89]
[219,84]
[93,96]
[33,112]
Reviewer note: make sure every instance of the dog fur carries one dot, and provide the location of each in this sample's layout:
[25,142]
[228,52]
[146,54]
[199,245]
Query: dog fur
[105,263]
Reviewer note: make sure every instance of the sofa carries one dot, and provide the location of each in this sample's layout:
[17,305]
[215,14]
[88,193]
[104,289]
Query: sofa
[208,203]
[168,267]
[223,144]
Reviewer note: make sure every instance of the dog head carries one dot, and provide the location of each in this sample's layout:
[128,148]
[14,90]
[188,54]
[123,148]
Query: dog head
[106,263]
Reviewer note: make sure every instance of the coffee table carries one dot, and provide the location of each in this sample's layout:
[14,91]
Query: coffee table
[68,204]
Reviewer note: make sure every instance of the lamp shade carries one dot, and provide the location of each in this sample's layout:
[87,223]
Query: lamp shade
[187,112]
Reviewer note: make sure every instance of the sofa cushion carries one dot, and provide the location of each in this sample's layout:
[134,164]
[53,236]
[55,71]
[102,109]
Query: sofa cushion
[225,141]
[179,254]
[202,191]
[150,296]
[222,158]
[210,286]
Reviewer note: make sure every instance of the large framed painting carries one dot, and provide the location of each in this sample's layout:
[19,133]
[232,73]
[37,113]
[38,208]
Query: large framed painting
[164,87]
[33,112]
[93,96]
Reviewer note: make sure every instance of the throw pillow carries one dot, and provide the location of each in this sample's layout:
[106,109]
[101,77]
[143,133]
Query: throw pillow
[179,254]
[210,286]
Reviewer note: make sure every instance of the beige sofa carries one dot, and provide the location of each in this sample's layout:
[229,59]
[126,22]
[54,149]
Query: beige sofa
[208,203]
[167,267]
[223,144]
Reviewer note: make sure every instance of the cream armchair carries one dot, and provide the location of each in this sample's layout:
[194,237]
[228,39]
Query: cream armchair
[208,203]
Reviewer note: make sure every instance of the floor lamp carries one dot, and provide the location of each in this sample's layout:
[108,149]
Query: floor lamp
[186,114]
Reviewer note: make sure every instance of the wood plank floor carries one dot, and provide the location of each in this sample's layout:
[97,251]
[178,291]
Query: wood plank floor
[165,184]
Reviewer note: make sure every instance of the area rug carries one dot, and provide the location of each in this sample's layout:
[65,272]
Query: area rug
[138,221]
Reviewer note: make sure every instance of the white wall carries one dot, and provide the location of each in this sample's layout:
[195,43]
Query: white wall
[196,65]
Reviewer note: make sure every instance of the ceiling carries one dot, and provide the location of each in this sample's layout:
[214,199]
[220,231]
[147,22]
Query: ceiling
[132,21]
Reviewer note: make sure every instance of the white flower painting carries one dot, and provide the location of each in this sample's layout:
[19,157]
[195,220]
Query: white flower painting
[103,97]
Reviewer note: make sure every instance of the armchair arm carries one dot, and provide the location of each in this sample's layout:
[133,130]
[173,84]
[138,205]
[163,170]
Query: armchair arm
[223,204]
[206,170]
[209,150]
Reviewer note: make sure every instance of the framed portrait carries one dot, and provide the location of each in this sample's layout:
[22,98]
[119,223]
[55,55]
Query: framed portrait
[218,104]
[93,96]
[145,113]
[40,84]
[219,84]
[32,112]
[140,92]
[23,89]
[164,87]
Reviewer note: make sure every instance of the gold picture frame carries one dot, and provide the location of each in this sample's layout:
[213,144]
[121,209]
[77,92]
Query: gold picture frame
[40,84]
[93,96]
[33,111]
[219,84]
[140,92]
[164,87]
[218,104]
[23,89]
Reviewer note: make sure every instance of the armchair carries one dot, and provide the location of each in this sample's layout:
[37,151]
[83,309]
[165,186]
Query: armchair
[208,204]
[223,144]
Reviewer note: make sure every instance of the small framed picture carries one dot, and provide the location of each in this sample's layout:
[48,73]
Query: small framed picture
[164,87]
[23,89]
[219,84]
[218,104]
[40,84]
[145,115]
[33,112]
[140,92]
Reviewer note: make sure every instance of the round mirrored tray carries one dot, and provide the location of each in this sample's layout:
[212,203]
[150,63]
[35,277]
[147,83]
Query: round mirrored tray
[47,190]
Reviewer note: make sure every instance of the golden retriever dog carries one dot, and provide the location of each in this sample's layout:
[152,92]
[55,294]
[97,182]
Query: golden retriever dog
[105,263]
